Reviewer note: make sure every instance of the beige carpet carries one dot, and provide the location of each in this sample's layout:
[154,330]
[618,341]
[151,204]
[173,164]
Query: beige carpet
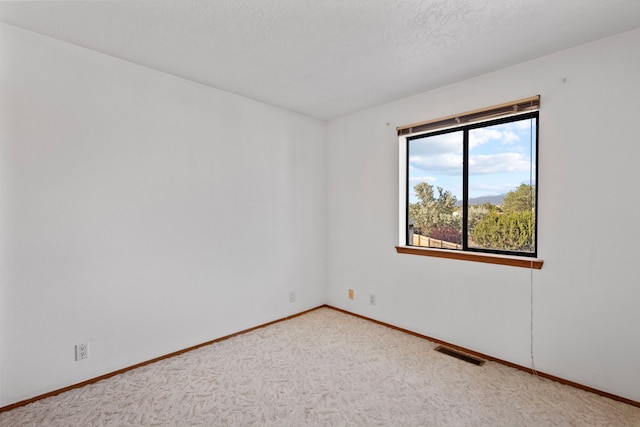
[324,368]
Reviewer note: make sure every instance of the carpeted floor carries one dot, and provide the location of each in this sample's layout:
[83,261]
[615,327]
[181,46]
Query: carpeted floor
[324,368]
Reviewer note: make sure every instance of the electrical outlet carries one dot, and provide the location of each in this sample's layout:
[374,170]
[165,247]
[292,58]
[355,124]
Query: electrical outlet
[292,296]
[372,299]
[350,293]
[82,351]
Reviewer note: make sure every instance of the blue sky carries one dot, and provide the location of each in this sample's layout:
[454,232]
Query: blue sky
[499,160]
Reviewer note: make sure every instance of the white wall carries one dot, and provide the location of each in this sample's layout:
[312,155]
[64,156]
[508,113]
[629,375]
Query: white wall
[143,213]
[585,298]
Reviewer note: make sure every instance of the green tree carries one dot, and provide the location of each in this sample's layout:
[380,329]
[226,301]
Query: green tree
[476,213]
[521,199]
[431,212]
[508,231]
[513,228]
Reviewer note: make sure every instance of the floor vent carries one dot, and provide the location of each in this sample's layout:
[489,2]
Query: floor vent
[461,356]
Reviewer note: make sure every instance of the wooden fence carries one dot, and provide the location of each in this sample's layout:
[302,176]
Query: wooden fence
[428,242]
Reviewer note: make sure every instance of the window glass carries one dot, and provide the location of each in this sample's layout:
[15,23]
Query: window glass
[474,187]
[435,189]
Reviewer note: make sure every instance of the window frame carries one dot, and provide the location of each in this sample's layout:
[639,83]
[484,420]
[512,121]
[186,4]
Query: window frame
[522,259]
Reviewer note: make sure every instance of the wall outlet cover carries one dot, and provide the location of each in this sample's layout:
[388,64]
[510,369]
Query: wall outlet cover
[82,351]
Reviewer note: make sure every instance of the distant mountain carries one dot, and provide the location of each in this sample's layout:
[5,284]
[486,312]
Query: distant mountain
[494,200]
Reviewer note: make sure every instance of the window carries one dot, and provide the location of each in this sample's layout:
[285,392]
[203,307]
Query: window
[469,181]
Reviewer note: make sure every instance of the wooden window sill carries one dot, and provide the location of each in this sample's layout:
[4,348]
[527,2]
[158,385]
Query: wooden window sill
[473,256]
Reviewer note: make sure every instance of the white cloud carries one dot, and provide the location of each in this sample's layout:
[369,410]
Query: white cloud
[436,145]
[418,179]
[482,136]
[496,163]
[447,164]
[509,137]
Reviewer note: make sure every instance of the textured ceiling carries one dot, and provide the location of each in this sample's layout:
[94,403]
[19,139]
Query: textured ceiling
[325,58]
